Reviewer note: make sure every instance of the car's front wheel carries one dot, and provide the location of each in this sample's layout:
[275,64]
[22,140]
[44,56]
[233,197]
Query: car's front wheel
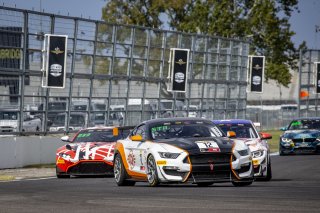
[120,173]
[152,173]
[61,175]
[269,171]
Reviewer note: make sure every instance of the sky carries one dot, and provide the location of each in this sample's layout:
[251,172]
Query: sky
[303,23]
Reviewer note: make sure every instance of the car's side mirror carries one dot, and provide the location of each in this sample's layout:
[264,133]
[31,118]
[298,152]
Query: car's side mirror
[265,135]
[65,138]
[231,134]
[136,138]
[68,147]
[115,131]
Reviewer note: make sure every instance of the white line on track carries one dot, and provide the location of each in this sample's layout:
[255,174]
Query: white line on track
[31,179]
[274,154]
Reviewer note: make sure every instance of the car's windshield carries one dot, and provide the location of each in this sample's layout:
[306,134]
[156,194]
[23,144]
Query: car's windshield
[101,135]
[304,124]
[8,115]
[241,130]
[174,130]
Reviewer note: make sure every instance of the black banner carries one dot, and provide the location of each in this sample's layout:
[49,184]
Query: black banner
[257,71]
[180,70]
[10,58]
[317,83]
[56,61]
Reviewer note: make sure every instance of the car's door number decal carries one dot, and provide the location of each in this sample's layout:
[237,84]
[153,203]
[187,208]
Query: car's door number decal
[208,146]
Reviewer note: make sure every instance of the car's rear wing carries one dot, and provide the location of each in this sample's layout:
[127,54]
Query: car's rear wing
[122,131]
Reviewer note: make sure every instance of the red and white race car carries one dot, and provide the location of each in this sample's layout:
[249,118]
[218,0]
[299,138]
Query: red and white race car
[90,152]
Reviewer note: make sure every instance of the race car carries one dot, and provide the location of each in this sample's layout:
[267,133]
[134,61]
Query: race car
[90,152]
[302,136]
[246,131]
[179,150]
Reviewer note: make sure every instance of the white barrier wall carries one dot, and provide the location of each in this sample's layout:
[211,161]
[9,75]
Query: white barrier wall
[16,152]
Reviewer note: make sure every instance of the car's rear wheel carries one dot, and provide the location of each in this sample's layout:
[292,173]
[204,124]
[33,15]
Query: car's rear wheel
[152,173]
[120,173]
[204,184]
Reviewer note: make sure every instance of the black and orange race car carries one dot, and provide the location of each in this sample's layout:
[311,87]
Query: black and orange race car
[89,152]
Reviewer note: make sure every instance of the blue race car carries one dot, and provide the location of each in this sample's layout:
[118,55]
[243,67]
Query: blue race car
[301,136]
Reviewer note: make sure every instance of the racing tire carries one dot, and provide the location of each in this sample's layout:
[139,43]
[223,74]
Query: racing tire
[204,184]
[120,173]
[64,176]
[281,153]
[61,175]
[269,172]
[152,173]
[240,184]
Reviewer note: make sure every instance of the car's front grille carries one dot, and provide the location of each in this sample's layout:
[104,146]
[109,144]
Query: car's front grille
[210,167]
[91,168]
[210,158]
[307,140]
[244,168]
[304,149]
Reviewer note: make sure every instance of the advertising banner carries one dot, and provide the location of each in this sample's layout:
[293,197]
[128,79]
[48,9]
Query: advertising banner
[178,69]
[55,56]
[256,73]
[317,77]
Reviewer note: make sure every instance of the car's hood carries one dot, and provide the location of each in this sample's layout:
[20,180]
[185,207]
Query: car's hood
[254,144]
[87,151]
[198,145]
[306,133]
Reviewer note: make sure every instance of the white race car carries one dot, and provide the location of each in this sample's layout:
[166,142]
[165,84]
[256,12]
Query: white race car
[245,131]
[178,150]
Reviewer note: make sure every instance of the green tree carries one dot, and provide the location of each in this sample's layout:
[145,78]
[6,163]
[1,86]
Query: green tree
[264,22]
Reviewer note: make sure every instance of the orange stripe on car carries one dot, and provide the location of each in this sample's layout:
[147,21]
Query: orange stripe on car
[187,176]
[235,174]
[136,175]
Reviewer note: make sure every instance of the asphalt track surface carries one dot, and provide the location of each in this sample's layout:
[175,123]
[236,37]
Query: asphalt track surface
[295,187]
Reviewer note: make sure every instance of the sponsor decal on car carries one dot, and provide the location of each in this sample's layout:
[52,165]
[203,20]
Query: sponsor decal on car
[208,146]
[131,159]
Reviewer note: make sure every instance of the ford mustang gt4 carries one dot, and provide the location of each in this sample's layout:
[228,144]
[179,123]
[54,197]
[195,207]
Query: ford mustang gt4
[178,150]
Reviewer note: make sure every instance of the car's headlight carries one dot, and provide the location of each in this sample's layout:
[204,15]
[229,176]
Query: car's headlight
[286,140]
[243,152]
[64,155]
[257,154]
[168,155]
